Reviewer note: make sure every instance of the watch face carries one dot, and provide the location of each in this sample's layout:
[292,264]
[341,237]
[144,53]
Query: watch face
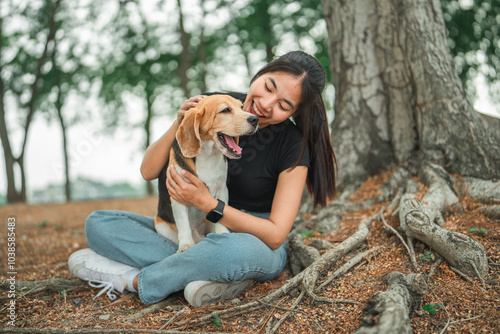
[214,216]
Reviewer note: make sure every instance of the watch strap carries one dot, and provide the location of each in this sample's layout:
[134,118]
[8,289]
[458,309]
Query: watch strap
[216,214]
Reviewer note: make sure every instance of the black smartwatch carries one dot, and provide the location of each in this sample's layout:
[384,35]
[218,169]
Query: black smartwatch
[216,214]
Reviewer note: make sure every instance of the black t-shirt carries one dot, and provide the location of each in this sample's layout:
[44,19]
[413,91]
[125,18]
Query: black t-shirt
[252,179]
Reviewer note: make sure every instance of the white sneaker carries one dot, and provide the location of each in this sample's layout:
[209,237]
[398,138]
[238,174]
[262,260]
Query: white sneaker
[100,271]
[199,293]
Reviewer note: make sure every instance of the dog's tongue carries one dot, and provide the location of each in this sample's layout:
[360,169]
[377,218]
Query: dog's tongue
[232,144]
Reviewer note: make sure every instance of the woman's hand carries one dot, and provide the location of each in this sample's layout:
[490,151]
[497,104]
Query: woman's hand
[194,194]
[186,105]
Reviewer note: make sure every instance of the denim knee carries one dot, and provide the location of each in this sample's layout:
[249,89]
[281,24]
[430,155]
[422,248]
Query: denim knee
[246,256]
[95,228]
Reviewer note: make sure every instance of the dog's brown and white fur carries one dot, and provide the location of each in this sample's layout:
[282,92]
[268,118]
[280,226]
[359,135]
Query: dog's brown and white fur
[207,135]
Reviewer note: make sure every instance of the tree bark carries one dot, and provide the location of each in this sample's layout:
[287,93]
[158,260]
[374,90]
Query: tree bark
[397,92]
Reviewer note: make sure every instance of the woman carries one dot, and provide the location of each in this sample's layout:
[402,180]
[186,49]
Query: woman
[265,190]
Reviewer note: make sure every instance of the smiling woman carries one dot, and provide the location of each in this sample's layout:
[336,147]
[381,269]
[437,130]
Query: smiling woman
[265,189]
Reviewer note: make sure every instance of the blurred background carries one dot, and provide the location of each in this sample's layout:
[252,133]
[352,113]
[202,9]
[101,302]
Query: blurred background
[87,85]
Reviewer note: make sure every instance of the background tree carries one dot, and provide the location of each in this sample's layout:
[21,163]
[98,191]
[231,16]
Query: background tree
[143,64]
[398,94]
[31,46]
[69,78]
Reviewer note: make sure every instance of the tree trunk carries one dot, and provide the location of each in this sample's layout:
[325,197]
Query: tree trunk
[67,182]
[184,61]
[12,195]
[397,92]
[202,51]
[147,131]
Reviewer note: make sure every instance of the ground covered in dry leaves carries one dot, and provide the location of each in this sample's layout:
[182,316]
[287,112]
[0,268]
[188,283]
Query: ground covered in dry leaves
[47,234]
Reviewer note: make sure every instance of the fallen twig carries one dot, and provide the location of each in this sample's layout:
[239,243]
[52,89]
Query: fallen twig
[317,298]
[150,309]
[292,309]
[462,320]
[411,252]
[51,284]
[466,278]
[119,301]
[178,314]
[268,321]
[436,264]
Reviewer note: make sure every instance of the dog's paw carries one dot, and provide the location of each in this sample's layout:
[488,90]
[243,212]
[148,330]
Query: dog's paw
[184,247]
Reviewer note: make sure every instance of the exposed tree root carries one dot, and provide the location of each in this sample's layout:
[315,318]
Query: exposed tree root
[347,266]
[301,256]
[309,276]
[388,312]
[484,191]
[423,219]
[492,211]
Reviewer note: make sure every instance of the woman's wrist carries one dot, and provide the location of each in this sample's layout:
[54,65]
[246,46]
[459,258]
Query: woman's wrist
[209,205]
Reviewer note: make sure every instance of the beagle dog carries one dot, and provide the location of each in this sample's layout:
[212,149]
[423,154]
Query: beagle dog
[207,135]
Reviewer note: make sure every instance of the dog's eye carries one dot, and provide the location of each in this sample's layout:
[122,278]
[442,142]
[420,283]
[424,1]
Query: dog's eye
[226,111]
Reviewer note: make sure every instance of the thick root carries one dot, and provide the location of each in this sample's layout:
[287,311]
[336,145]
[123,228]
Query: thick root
[423,220]
[389,311]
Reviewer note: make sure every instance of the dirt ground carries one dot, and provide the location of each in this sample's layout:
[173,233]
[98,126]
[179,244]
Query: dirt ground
[45,235]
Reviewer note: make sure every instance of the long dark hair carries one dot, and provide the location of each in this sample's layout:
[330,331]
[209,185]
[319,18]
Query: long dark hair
[310,117]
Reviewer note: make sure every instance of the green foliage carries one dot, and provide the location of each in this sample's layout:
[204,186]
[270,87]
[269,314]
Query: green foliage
[432,308]
[308,234]
[43,224]
[427,255]
[474,39]
[475,229]
[216,321]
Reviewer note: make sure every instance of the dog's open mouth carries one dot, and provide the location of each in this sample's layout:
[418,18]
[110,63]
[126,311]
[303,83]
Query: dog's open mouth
[228,142]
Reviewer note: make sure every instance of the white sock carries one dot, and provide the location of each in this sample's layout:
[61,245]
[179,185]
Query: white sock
[128,277]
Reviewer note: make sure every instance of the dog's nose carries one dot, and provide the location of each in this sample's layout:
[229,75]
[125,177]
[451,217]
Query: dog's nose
[254,120]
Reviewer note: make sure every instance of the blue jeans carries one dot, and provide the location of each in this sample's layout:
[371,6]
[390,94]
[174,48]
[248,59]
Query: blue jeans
[131,239]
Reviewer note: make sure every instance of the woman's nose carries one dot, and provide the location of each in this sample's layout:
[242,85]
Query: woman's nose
[268,103]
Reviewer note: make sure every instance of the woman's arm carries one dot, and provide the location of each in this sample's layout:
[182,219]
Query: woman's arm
[157,154]
[272,231]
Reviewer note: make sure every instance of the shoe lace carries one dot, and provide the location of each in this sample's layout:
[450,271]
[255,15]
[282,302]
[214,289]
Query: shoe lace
[108,287]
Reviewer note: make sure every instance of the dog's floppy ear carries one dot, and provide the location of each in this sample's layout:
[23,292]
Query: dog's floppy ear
[188,135]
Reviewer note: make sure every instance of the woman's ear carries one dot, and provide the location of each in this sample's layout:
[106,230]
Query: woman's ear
[188,134]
